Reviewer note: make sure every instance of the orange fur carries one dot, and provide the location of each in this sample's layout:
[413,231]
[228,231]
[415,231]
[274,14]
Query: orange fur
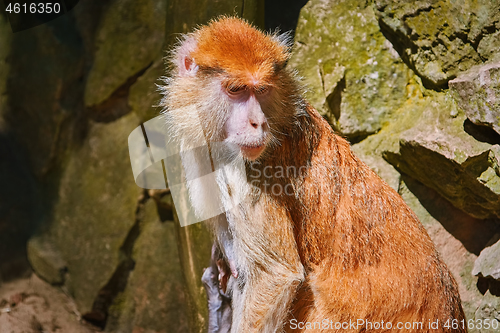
[240,50]
[366,254]
[344,246]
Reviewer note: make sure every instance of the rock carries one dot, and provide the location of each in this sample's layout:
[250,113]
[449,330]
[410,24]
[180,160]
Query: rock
[48,67]
[29,137]
[39,307]
[440,154]
[46,261]
[95,210]
[487,264]
[5,39]
[490,44]
[184,15]
[440,39]
[155,299]
[354,76]
[144,96]
[130,37]
[478,93]
[195,244]
[371,149]
[489,312]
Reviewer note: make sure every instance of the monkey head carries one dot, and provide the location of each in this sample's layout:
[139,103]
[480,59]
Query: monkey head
[230,80]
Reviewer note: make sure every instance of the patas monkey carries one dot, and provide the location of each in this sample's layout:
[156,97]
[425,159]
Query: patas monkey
[310,232]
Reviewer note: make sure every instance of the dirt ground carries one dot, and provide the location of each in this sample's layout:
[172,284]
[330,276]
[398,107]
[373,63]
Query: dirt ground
[31,305]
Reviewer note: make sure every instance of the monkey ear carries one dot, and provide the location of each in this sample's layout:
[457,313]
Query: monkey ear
[189,65]
[185,63]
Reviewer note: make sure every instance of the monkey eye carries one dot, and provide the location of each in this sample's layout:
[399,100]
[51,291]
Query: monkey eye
[260,90]
[236,89]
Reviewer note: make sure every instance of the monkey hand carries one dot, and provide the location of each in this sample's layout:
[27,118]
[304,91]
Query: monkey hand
[225,272]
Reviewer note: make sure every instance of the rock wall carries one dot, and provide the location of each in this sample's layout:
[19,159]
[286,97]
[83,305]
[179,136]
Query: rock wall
[415,87]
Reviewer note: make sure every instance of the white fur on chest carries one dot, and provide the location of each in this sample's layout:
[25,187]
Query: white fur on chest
[216,184]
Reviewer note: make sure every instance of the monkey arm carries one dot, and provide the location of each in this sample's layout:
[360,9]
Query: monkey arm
[265,300]
[270,270]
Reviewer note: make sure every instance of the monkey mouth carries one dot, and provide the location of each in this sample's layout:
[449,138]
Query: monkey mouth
[252,151]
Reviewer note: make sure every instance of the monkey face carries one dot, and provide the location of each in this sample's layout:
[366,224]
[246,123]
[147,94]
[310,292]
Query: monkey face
[246,125]
[237,89]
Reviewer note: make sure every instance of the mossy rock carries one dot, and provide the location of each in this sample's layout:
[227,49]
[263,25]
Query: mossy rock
[155,299]
[371,149]
[48,67]
[96,209]
[488,263]
[45,260]
[440,39]
[477,92]
[195,245]
[353,75]
[144,96]
[129,39]
[440,154]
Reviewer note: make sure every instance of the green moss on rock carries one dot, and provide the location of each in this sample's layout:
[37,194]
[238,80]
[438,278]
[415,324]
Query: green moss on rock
[354,76]
[439,39]
[155,299]
[440,154]
[144,97]
[96,209]
[129,38]
[404,118]
[45,260]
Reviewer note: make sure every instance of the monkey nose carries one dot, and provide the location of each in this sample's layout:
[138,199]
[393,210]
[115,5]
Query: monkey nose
[258,125]
[257,119]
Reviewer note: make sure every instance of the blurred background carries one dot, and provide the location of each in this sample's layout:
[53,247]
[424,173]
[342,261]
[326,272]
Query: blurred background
[414,86]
